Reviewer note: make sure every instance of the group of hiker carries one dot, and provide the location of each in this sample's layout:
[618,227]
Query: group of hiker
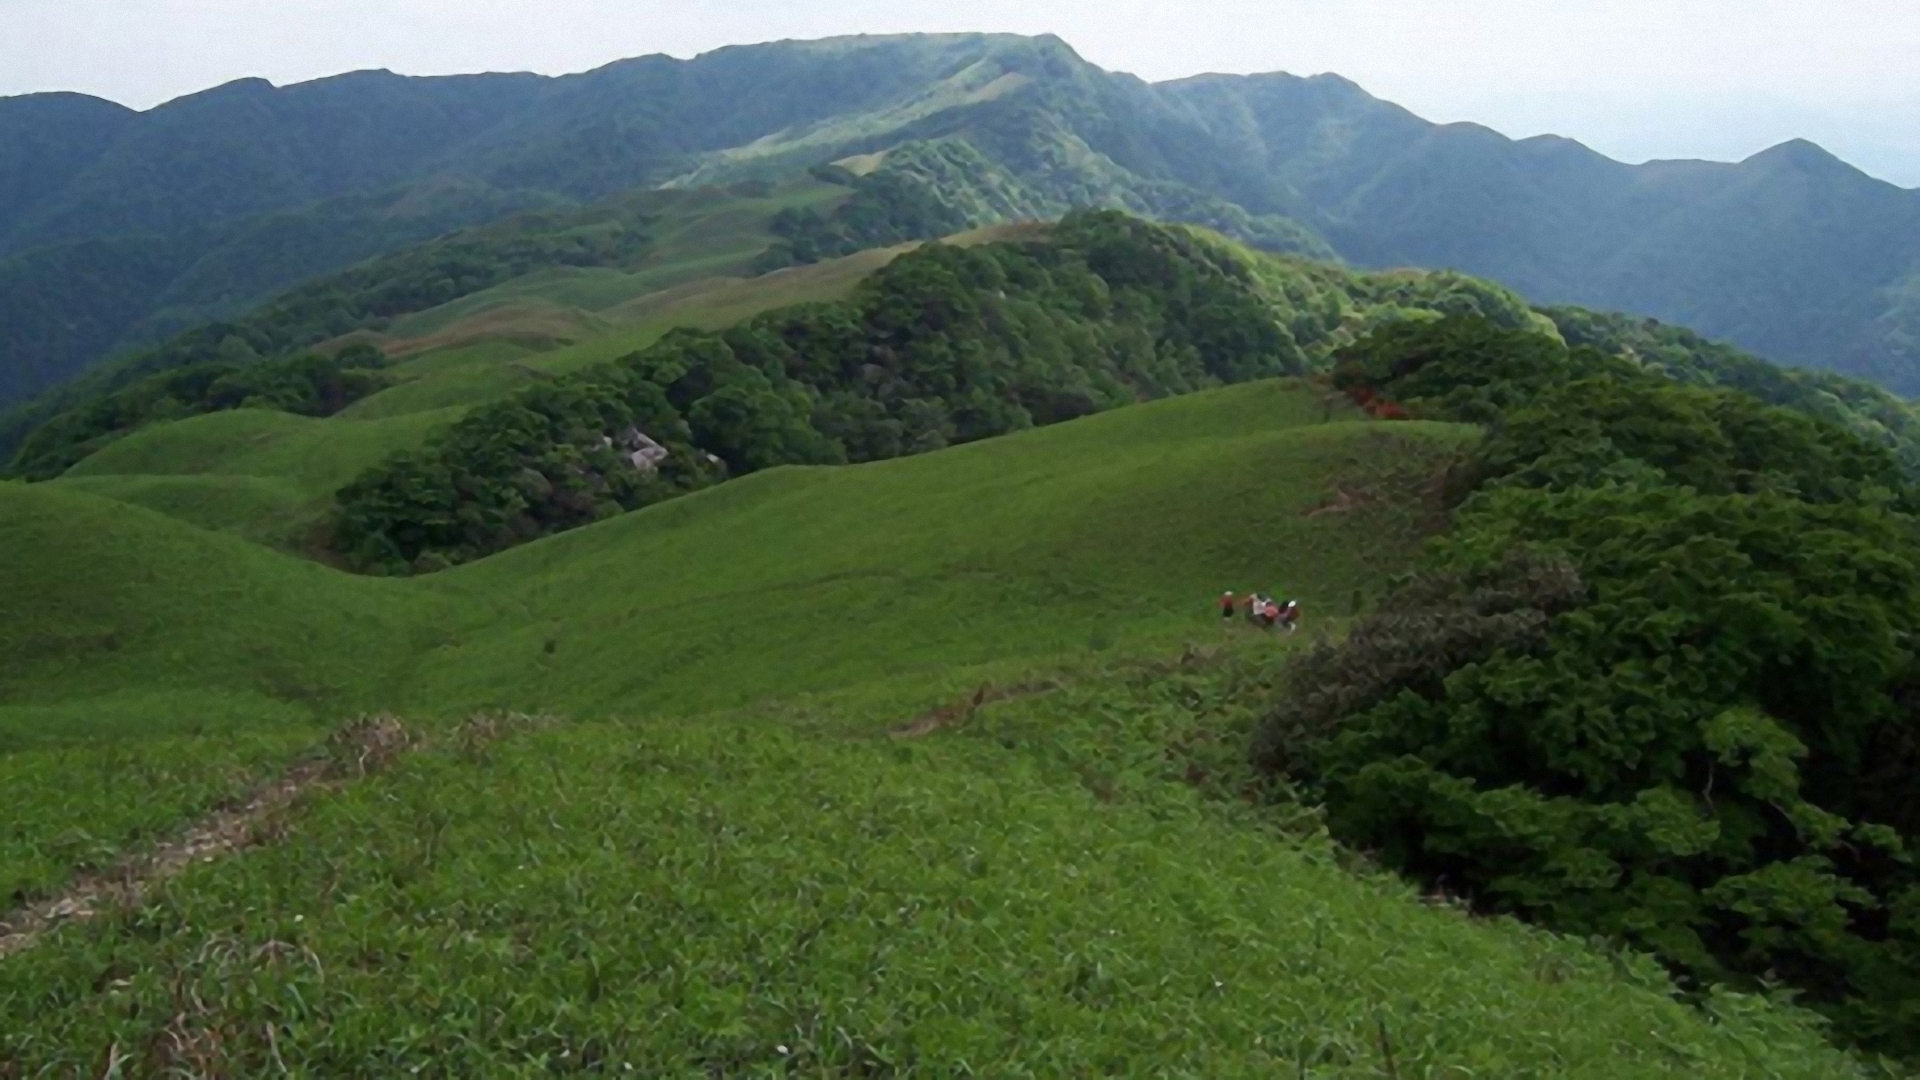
[1262,611]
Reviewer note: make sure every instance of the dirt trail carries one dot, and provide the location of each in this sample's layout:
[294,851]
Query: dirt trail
[365,746]
[959,712]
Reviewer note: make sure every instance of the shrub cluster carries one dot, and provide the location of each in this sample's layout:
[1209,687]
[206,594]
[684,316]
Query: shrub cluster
[885,208]
[1657,684]
[552,457]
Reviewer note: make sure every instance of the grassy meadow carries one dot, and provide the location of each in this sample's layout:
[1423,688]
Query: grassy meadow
[1055,543]
[740,896]
[711,857]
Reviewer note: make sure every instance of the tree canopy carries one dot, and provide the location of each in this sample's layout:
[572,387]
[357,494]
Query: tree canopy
[1657,683]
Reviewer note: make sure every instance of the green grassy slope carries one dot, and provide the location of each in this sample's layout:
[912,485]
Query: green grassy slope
[150,669]
[1111,524]
[728,898]
[266,476]
[775,888]
[1010,550]
[553,324]
[103,598]
[1114,529]
[692,235]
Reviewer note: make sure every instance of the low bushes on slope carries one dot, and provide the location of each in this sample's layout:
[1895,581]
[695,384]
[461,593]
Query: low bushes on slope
[944,345]
[535,464]
[1657,684]
[885,208]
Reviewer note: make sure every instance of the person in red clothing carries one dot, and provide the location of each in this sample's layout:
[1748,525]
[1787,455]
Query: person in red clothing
[1226,605]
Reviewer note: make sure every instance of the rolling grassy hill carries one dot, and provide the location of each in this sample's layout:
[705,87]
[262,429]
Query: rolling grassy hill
[271,476]
[1102,530]
[720,865]
[791,539]
[481,347]
[132,627]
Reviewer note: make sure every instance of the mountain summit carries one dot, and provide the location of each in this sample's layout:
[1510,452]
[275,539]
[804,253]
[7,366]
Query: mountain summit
[117,228]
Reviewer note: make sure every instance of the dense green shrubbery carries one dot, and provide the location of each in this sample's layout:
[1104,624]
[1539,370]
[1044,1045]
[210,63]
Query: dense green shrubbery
[1657,684]
[1861,407]
[310,384]
[945,345]
[886,208]
[553,457]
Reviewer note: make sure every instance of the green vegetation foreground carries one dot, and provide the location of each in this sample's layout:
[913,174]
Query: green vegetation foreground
[1040,895]
[777,889]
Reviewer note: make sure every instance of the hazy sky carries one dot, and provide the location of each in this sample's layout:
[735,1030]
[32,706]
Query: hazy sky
[1632,78]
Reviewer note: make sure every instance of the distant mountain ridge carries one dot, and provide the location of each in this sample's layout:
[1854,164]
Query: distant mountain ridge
[117,228]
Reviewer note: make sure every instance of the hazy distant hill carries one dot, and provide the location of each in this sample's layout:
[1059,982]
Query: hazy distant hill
[1793,253]
[117,227]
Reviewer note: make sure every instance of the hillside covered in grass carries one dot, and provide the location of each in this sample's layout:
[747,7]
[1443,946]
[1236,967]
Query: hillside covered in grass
[724,837]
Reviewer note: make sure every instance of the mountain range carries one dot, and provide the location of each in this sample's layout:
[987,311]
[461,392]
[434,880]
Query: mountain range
[119,228]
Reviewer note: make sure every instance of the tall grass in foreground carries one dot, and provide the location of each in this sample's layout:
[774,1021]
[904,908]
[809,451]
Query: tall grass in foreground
[1035,893]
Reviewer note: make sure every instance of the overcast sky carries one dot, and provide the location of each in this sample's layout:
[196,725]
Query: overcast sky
[1636,79]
